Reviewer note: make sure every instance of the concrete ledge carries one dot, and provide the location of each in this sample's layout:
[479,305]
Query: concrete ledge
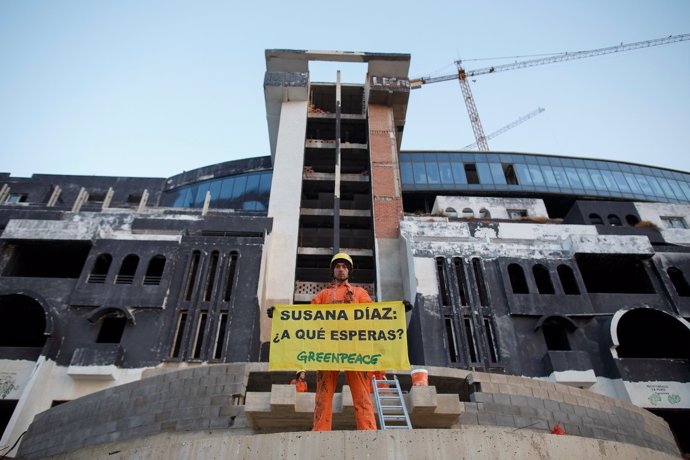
[465,442]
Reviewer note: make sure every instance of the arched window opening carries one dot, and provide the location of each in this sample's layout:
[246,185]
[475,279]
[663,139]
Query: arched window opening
[595,219]
[112,328]
[127,270]
[517,279]
[652,334]
[154,272]
[632,220]
[555,334]
[614,220]
[23,322]
[467,213]
[484,213]
[100,269]
[451,212]
[442,281]
[679,281]
[568,281]
[543,279]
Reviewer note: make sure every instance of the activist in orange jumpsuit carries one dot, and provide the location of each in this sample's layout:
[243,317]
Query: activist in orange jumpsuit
[300,381]
[340,291]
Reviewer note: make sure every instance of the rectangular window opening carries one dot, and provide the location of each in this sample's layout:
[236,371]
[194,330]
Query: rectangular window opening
[179,334]
[211,277]
[460,277]
[481,286]
[491,338]
[452,339]
[199,336]
[191,275]
[471,173]
[509,173]
[230,281]
[471,342]
[220,336]
[442,281]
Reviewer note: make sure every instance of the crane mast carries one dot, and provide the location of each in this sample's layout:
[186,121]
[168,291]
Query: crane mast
[462,74]
[482,144]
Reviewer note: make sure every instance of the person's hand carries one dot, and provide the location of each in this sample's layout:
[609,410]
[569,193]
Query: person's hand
[269,311]
[408,305]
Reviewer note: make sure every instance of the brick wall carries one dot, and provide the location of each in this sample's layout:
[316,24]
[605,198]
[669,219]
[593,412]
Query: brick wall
[385,180]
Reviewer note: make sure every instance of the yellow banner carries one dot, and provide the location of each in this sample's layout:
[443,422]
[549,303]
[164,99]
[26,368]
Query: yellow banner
[355,336]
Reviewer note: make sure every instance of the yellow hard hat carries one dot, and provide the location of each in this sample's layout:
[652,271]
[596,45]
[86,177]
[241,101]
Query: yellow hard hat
[344,257]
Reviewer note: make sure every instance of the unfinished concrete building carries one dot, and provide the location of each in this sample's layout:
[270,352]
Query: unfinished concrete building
[547,290]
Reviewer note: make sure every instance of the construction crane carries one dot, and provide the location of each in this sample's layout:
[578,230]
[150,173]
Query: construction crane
[462,74]
[510,125]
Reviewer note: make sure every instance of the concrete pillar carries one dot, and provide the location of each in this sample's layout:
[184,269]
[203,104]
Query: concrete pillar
[144,200]
[284,209]
[108,198]
[4,193]
[82,197]
[207,203]
[54,196]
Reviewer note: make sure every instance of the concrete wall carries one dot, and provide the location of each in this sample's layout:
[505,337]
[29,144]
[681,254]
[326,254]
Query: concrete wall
[473,442]
[196,408]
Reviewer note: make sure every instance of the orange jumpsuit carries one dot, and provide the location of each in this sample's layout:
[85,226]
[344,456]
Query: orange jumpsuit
[380,375]
[301,385]
[326,380]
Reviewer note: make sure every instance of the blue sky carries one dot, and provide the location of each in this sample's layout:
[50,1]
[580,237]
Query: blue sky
[153,88]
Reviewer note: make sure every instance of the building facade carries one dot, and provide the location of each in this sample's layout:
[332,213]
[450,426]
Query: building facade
[563,270]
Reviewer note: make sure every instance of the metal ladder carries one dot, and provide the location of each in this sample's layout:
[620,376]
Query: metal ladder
[390,405]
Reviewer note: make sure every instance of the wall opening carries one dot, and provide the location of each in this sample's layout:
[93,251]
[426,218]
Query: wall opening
[614,220]
[199,336]
[154,272]
[632,220]
[471,340]
[555,334]
[191,275]
[614,273]
[442,281]
[468,213]
[542,278]
[595,219]
[127,270]
[451,339]
[568,280]
[46,259]
[220,336]
[460,277]
[230,281]
[100,269]
[451,212]
[211,276]
[112,328]
[491,339]
[471,173]
[517,279]
[179,334]
[484,213]
[648,333]
[7,407]
[679,282]
[23,322]
[479,276]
